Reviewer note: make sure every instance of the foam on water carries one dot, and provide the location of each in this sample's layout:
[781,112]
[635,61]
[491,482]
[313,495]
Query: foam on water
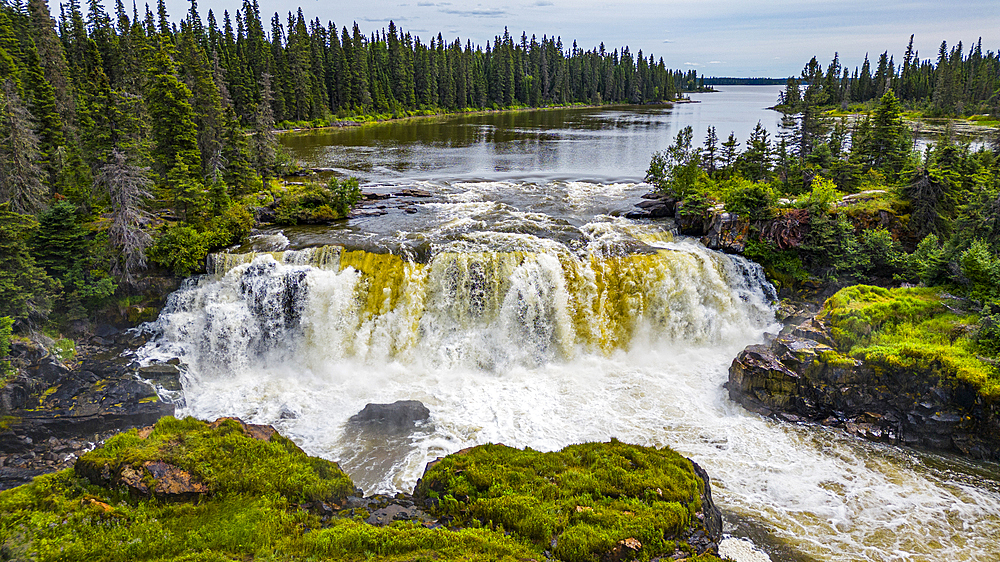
[511,338]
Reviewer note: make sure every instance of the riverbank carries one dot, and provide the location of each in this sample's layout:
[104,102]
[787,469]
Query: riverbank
[384,118]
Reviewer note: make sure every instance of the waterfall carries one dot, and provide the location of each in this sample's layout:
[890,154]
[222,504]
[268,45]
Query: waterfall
[529,304]
[528,341]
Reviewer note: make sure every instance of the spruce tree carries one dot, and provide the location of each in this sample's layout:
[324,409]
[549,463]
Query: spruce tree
[175,137]
[23,285]
[127,189]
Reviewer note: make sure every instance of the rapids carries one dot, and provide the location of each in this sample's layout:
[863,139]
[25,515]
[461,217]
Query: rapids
[523,311]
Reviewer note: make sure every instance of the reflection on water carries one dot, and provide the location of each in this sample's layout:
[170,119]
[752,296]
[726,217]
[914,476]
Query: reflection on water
[605,144]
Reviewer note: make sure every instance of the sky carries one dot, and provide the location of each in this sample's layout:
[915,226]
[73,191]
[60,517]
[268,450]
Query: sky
[714,37]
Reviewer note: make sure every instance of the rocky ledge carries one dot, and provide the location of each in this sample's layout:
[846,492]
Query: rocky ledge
[807,374]
[187,489]
[52,411]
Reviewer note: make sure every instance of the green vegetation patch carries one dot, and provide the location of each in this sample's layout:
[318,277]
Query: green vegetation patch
[588,497]
[911,329]
[63,517]
[314,203]
[227,459]
[506,503]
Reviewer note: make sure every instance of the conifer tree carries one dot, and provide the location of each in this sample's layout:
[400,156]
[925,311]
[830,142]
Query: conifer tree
[23,285]
[127,188]
[175,137]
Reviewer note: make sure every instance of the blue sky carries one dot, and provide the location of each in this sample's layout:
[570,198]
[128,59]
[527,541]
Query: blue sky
[715,37]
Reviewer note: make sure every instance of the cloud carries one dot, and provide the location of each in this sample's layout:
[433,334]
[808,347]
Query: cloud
[541,3]
[425,4]
[692,64]
[668,40]
[487,13]
[715,62]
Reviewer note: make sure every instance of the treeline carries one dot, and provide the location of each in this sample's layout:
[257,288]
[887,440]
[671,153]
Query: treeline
[724,81]
[958,82]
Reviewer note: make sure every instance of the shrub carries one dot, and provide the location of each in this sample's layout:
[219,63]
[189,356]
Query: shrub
[982,270]
[181,248]
[316,203]
[824,193]
[753,200]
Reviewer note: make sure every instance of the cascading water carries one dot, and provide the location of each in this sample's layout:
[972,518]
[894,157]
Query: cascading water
[516,316]
[527,341]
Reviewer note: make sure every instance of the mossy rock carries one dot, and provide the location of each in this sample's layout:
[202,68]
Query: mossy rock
[913,330]
[585,499]
[224,457]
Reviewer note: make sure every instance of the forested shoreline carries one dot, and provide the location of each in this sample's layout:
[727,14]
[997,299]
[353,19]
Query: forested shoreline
[956,83]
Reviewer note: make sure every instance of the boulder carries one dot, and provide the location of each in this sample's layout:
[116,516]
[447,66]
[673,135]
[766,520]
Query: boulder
[801,376]
[400,414]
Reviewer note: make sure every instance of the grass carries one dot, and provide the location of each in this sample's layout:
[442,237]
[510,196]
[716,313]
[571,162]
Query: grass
[911,330]
[505,504]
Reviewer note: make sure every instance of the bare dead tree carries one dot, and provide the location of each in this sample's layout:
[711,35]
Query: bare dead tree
[20,175]
[127,187]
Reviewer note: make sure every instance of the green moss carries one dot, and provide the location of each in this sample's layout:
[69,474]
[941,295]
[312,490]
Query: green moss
[588,496]
[226,459]
[7,421]
[910,329]
[64,349]
[510,502]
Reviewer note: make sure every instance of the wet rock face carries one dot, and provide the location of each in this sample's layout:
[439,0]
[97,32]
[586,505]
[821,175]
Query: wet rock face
[379,437]
[800,377]
[727,232]
[654,205]
[55,412]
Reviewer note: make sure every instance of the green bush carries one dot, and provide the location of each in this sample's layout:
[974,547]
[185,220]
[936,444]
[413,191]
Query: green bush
[783,266]
[314,203]
[988,332]
[821,197]
[181,248]
[982,270]
[753,200]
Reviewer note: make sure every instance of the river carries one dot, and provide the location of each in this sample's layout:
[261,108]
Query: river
[520,307]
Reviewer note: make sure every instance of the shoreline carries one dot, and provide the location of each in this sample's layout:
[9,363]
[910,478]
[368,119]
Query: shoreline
[348,123]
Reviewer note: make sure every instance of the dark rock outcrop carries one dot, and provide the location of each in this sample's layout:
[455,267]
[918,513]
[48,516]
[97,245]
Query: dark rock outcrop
[802,377]
[52,411]
[399,414]
[655,205]
[727,232]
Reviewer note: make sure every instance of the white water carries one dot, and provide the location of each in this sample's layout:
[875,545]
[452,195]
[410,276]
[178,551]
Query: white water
[512,338]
